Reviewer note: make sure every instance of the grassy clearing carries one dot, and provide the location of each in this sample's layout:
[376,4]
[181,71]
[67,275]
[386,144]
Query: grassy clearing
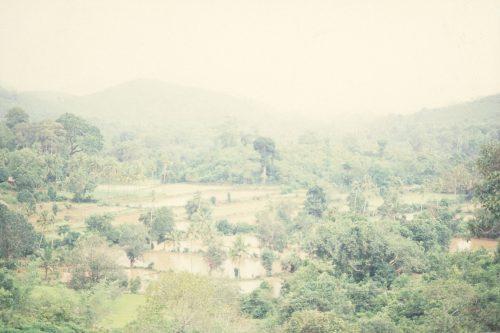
[124,311]
[126,203]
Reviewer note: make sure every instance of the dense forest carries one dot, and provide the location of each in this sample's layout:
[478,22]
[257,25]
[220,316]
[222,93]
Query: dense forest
[334,228]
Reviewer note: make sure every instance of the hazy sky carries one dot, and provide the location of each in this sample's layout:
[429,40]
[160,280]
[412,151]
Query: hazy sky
[381,56]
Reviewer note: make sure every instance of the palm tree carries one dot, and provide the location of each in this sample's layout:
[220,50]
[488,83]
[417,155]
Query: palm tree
[48,260]
[45,220]
[237,252]
[176,236]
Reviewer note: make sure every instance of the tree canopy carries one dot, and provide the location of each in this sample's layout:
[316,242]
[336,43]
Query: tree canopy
[80,135]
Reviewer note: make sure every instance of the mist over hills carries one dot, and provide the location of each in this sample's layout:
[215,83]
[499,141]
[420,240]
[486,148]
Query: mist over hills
[478,110]
[153,103]
[136,101]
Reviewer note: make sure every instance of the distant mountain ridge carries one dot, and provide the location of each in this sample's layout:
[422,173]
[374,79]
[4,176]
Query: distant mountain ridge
[156,102]
[485,109]
[136,101]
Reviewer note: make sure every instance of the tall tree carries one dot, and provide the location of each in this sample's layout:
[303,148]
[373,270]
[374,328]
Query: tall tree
[27,168]
[159,222]
[267,150]
[48,260]
[356,199]
[84,172]
[101,223]
[7,138]
[198,209]
[133,239]
[237,252]
[80,135]
[271,234]
[382,144]
[16,116]
[93,261]
[46,136]
[363,250]
[316,202]
[215,257]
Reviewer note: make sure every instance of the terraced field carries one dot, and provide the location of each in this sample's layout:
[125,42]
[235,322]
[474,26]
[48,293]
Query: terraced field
[236,204]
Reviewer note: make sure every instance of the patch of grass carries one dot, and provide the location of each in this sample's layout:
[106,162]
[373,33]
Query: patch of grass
[123,310]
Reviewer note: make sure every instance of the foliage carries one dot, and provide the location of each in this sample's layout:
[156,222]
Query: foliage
[258,304]
[362,250]
[191,303]
[356,200]
[15,116]
[91,262]
[83,176]
[27,168]
[226,228]
[374,269]
[51,193]
[133,239]
[135,285]
[80,135]
[272,234]
[46,136]
[267,259]
[17,236]
[487,222]
[427,231]
[159,222]
[10,295]
[379,324]
[198,209]
[440,306]
[28,199]
[313,321]
[291,262]
[267,150]
[215,257]
[49,260]
[316,202]
[237,252]
[56,305]
[101,224]
[313,287]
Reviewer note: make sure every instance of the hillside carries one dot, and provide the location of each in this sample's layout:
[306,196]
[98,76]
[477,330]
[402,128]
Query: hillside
[128,103]
[160,107]
[485,109]
[481,110]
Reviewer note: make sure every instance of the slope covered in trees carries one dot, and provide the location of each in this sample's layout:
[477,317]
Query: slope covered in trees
[354,228]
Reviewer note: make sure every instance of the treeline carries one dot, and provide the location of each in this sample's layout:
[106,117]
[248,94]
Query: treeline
[72,155]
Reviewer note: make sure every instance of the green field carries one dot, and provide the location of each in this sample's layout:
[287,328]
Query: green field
[124,310]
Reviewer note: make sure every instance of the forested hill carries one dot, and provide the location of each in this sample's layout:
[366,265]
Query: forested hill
[150,101]
[482,110]
[459,129]
[38,105]
[140,102]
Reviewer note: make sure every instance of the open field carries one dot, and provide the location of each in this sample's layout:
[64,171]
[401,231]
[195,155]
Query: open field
[126,203]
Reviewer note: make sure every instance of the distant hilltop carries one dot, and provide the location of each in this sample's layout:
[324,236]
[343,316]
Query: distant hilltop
[146,101]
